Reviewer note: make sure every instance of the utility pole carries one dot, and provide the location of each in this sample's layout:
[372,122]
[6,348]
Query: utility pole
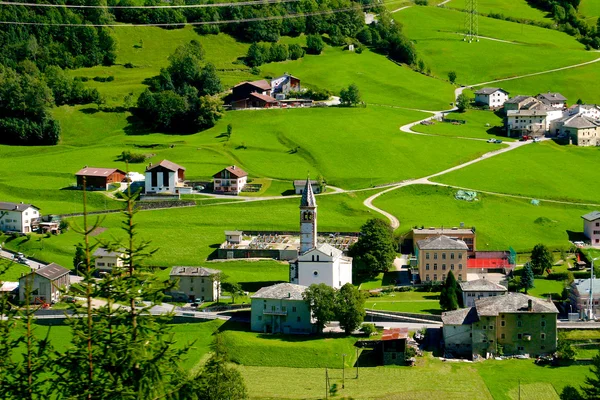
[591,301]
[326,384]
[357,358]
[343,370]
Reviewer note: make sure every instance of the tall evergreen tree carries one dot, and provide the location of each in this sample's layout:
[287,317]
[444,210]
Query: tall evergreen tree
[527,278]
[450,294]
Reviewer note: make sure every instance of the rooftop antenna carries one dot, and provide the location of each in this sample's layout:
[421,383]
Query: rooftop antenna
[471,21]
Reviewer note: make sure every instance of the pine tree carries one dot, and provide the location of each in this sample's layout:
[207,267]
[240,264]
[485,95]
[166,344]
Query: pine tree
[527,279]
[449,294]
[591,390]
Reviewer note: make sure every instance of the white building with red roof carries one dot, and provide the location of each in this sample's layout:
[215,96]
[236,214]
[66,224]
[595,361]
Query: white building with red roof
[230,180]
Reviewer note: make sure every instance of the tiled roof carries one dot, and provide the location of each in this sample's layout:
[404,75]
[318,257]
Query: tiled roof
[8,206]
[594,215]
[394,333]
[308,197]
[261,84]
[526,113]
[233,170]
[329,250]
[517,99]
[481,285]
[52,271]
[193,271]
[489,90]
[580,122]
[552,97]
[463,316]
[102,252]
[171,166]
[233,233]
[282,291]
[513,303]
[302,182]
[102,172]
[583,286]
[441,243]
[443,231]
[263,97]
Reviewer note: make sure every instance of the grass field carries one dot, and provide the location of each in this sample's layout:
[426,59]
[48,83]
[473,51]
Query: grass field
[529,171]
[479,124]
[500,221]
[11,271]
[516,8]
[435,32]
[414,302]
[589,8]
[544,288]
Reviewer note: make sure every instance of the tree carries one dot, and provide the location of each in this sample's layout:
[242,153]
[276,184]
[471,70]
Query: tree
[570,393]
[350,308]
[450,294]
[314,44]
[209,81]
[233,288]
[579,101]
[79,257]
[296,51]
[564,350]
[350,96]
[462,102]
[321,301]
[527,279]
[541,259]
[375,250]
[255,56]
[452,76]
[591,389]
[229,131]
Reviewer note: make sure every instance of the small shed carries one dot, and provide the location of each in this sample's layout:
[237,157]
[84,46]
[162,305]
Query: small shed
[98,178]
[234,237]
[393,346]
[300,184]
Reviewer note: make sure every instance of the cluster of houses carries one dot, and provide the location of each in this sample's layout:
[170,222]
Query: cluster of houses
[545,114]
[264,94]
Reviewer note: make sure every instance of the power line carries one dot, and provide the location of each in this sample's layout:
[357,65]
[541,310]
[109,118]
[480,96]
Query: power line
[240,3]
[224,22]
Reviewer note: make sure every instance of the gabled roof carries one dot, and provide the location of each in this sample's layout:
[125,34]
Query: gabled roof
[526,113]
[329,250]
[233,233]
[102,172]
[490,90]
[283,291]
[233,170]
[263,97]
[517,99]
[51,271]
[552,97]
[102,252]
[583,286]
[286,75]
[513,303]
[394,334]
[8,206]
[594,215]
[481,285]
[261,84]
[193,271]
[308,197]
[463,316]
[441,243]
[580,122]
[171,166]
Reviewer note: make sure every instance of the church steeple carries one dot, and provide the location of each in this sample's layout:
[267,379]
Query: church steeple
[308,219]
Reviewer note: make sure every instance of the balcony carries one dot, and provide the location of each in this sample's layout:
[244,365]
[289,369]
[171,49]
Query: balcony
[274,312]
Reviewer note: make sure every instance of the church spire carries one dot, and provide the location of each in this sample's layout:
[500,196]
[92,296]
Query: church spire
[308,219]
[308,197]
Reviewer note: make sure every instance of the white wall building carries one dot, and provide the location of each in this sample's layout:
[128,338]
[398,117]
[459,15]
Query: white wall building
[555,100]
[528,122]
[479,289]
[230,180]
[19,217]
[491,97]
[165,177]
[587,110]
[591,227]
[317,263]
[106,260]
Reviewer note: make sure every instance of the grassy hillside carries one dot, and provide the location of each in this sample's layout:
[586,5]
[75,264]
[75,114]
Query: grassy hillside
[500,221]
[544,170]
[479,124]
[530,49]
[515,8]
[590,8]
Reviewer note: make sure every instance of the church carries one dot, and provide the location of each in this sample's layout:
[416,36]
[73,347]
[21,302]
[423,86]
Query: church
[317,263]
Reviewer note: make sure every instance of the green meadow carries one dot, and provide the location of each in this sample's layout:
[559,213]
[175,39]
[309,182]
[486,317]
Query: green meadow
[500,221]
[589,8]
[530,49]
[545,170]
[515,8]
[413,302]
[479,124]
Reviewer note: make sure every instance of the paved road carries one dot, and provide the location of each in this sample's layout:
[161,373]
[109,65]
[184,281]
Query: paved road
[10,256]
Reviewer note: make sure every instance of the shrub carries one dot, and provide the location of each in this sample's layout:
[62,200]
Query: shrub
[255,71]
[314,44]
[558,276]
[368,329]
[133,158]
[128,65]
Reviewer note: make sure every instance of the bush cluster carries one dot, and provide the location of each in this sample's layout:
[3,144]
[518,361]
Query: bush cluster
[259,54]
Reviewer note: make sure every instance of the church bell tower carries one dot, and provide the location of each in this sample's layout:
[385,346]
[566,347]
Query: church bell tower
[308,219]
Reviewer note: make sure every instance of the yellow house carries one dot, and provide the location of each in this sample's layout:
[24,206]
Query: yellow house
[438,255]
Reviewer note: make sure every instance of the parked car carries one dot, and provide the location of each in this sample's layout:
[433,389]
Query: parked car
[497,141]
[23,261]
[491,141]
[536,140]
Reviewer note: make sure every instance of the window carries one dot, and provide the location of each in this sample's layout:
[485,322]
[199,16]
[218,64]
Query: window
[427,256]
[260,317]
[543,323]
[452,256]
[459,266]
[427,278]
[283,308]
[452,267]
[519,324]
[443,267]
[435,267]
[484,327]
[443,256]
[265,306]
[435,277]
[460,256]
[313,258]
[519,336]
[426,267]
[272,308]
[298,319]
[543,336]
[435,256]
[460,277]
[502,323]
[165,179]
[502,336]
[520,348]
[316,273]
[293,309]
[317,258]
[393,356]
[491,327]
[444,277]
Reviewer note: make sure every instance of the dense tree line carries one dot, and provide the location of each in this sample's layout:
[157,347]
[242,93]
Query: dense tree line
[259,54]
[182,98]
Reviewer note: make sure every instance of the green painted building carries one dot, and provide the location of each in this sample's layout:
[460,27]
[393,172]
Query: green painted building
[281,309]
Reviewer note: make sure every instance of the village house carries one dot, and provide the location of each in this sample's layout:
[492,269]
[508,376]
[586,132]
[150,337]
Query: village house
[579,297]
[521,324]
[44,285]
[234,237]
[198,283]
[284,84]
[317,263]
[479,289]
[165,177]
[526,122]
[591,227]
[581,130]
[281,309]
[19,217]
[230,180]
[438,255]
[554,100]
[587,110]
[98,178]
[517,103]
[106,261]
[255,94]
[494,98]
[300,184]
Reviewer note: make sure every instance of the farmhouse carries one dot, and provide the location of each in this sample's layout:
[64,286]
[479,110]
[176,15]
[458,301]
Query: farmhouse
[437,255]
[317,263]
[106,261]
[526,122]
[579,297]
[19,217]
[554,100]
[230,180]
[519,102]
[44,285]
[281,309]
[255,94]
[521,324]
[284,84]
[165,177]
[300,184]
[591,227]
[581,130]
[198,283]
[494,98]
[98,178]
[479,289]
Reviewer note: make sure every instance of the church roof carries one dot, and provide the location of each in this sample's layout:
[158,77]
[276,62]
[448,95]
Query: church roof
[308,197]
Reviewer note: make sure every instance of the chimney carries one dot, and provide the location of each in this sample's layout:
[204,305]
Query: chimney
[150,164]
[233,167]
[289,295]
[530,305]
